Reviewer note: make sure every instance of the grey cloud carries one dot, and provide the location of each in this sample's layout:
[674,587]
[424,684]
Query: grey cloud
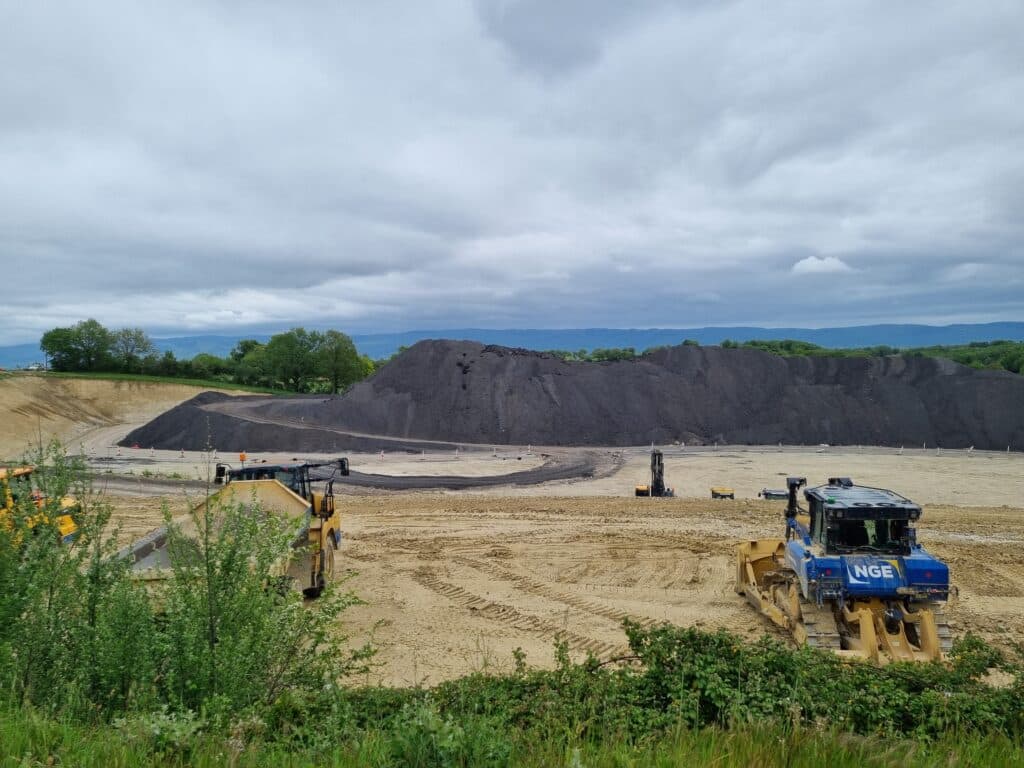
[213,165]
[555,38]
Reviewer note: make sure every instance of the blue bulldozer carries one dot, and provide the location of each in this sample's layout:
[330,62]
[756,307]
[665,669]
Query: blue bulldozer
[850,576]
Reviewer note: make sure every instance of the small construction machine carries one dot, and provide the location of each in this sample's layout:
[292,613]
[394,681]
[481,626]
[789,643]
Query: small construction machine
[302,492]
[657,486]
[321,531]
[722,492]
[850,576]
[16,484]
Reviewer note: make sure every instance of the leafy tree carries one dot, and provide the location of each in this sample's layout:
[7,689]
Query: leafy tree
[244,347]
[94,344]
[58,345]
[206,366]
[253,367]
[168,365]
[129,346]
[84,347]
[338,360]
[291,358]
[612,354]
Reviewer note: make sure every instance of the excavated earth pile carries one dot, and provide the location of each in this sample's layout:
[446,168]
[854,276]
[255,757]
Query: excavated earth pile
[465,392]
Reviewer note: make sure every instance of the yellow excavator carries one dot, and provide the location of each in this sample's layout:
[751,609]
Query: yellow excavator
[16,485]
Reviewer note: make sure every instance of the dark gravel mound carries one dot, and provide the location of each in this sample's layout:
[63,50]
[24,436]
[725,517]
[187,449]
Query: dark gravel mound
[465,392]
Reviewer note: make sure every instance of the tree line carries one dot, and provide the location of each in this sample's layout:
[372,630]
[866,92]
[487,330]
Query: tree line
[297,360]
[993,355]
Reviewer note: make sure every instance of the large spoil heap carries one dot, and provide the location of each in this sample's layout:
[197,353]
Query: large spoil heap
[461,391]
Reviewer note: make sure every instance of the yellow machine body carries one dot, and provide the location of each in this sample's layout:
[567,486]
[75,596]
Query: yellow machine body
[17,481]
[856,629]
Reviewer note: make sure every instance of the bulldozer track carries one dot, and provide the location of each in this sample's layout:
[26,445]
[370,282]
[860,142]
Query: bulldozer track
[510,617]
[542,589]
[820,624]
[942,626]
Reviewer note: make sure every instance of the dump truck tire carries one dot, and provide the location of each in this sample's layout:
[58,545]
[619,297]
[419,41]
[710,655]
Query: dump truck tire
[327,563]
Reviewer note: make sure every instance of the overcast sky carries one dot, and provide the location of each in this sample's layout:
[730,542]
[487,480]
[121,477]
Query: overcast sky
[376,166]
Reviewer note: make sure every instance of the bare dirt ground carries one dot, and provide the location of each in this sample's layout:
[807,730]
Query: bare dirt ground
[454,583]
[79,411]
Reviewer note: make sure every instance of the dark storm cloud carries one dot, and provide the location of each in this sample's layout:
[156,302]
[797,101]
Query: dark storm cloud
[215,165]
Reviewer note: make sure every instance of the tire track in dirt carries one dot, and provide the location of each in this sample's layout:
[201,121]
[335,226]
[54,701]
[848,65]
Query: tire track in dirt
[510,617]
[542,589]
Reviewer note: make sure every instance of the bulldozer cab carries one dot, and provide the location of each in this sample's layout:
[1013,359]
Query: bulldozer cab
[846,519]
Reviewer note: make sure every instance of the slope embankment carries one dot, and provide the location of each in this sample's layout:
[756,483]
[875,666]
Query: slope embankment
[463,392]
[42,407]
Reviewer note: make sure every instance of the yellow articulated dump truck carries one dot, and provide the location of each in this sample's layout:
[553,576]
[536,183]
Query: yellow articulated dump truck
[300,492]
[16,485]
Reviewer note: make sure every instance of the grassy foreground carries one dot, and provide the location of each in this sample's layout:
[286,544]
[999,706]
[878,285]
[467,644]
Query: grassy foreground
[28,738]
[222,663]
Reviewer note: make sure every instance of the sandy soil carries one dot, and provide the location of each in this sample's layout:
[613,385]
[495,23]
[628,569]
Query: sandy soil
[454,583]
[926,476]
[89,412]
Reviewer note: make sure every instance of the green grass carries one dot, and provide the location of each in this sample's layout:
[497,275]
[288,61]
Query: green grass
[208,383]
[29,738]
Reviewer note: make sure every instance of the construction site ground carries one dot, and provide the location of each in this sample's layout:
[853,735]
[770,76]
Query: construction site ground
[454,581]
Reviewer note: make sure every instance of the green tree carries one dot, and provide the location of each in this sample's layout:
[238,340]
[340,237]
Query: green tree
[86,346]
[252,368]
[168,364]
[130,345]
[94,344]
[291,358]
[206,366]
[243,348]
[338,360]
[59,347]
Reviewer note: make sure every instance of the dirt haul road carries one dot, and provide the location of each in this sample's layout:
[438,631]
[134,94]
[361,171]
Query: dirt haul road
[454,583]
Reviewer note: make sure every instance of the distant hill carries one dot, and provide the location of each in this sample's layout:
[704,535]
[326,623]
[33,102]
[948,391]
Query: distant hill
[381,345]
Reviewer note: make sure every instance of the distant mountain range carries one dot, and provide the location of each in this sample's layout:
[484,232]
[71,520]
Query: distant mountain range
[379,345]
